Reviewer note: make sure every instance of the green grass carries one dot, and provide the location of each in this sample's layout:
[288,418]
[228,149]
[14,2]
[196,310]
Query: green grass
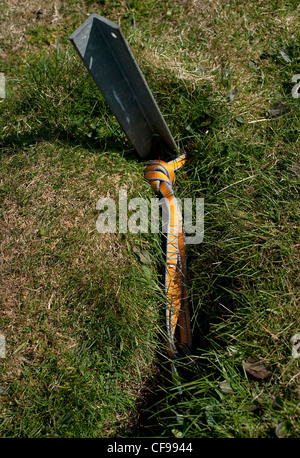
[79,310]
[76,353]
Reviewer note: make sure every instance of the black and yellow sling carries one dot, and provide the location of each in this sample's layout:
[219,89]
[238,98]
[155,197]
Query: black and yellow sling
[161,176]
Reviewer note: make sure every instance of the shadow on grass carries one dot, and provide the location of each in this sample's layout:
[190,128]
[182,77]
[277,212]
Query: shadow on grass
[11,143]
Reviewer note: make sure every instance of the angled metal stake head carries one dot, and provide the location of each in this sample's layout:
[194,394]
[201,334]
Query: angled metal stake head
[107,56]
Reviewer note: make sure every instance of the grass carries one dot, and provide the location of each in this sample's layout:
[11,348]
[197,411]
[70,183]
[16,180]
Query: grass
[70,351]
[79,310]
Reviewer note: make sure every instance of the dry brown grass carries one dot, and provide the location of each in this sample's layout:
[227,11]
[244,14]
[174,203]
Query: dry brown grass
[18,18]
[199,39]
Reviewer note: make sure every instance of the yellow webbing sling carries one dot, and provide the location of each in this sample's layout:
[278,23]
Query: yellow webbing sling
[161,176]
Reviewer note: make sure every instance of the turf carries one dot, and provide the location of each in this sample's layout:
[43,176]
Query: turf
[81,311]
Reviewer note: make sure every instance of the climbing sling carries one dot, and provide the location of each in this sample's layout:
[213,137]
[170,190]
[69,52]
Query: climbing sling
[161,176]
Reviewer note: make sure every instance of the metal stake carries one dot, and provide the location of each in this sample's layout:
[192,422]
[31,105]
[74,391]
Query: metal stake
[107,56]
